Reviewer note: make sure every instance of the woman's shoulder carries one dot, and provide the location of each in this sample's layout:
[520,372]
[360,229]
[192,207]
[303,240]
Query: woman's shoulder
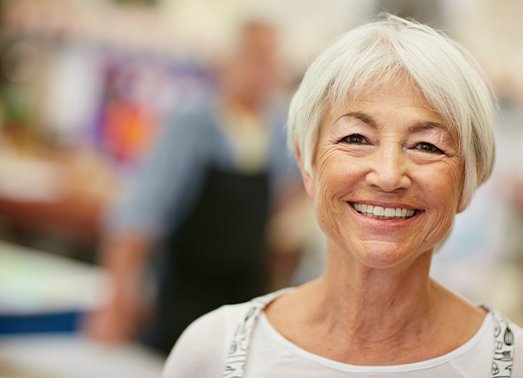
[514,326]
[517,332]
[508,342]
[201,349]
[222,317]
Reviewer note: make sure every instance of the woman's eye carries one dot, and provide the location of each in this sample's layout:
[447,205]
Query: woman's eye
[428,147]
[355,139]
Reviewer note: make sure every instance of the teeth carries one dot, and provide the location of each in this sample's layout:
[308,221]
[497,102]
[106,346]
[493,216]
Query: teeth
[383,212]
[390,212]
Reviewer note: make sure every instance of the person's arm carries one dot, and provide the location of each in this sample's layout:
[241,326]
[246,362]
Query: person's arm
[123,258]
[150,206]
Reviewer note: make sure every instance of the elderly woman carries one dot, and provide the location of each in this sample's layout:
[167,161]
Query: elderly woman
[392,127]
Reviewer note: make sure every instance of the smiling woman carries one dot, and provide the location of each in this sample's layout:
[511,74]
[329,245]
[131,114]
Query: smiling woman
[388,151]
[392,128]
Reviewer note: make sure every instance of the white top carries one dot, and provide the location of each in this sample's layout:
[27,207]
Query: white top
[202,349]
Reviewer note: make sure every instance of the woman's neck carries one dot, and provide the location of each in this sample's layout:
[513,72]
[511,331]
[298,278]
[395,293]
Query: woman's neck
[374,304]
[375,316]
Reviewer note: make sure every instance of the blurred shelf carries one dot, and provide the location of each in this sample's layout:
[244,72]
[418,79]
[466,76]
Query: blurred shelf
[74,357]
[54,194]
[41,285]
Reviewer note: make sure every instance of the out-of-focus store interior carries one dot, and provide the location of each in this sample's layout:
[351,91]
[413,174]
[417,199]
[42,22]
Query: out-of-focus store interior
[85,87]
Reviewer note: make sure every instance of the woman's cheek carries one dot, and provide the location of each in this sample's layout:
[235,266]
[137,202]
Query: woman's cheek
[442,200]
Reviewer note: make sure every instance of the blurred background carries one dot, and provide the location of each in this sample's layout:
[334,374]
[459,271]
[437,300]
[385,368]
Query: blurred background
[86,86]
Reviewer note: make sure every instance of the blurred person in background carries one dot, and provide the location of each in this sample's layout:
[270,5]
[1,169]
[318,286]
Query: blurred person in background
[393,131]
[199,209]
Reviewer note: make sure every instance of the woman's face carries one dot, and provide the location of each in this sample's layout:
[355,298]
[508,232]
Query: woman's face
[387,177]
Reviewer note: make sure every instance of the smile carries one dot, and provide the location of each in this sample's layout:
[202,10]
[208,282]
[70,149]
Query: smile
[383,212]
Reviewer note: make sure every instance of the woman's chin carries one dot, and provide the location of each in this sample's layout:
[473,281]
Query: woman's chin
[386,255]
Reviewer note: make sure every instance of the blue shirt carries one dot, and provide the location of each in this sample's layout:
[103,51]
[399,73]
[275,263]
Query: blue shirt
[166,187]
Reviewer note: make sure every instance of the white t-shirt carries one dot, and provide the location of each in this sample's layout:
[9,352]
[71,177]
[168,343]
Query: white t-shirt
[201,352]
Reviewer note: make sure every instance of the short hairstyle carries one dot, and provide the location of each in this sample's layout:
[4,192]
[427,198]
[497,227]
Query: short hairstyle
[374,54]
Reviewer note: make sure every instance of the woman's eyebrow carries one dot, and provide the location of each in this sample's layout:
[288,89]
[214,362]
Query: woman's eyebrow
[417,127]
[362,117]
[428,125]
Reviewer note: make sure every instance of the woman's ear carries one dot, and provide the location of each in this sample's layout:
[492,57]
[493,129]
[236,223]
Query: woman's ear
[464,200]
[463,203]
[308,181]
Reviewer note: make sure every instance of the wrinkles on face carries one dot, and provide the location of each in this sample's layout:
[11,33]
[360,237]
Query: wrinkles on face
[389,148]
[330,196]
[446,206]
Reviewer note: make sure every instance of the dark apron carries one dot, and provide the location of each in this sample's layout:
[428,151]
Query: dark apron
[217,256]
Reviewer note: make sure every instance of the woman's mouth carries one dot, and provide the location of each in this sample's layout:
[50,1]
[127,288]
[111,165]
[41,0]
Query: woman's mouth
[383,212]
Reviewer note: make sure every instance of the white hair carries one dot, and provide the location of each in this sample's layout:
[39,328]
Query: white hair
[377,53]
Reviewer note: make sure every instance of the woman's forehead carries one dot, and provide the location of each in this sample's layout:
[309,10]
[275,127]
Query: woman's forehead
[399,89]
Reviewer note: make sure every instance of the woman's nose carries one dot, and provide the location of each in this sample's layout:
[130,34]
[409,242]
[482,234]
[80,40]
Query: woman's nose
[388,169]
